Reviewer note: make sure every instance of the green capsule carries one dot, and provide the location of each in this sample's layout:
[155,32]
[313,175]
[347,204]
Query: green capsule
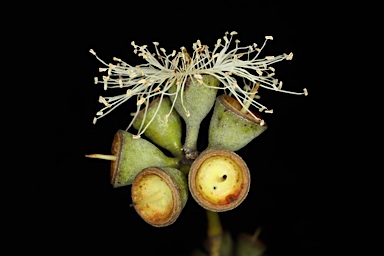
[193,102]
[230,128]
[133,155]
[130,155]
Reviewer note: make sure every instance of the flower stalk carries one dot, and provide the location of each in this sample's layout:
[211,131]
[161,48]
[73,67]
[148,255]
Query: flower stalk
[215,233]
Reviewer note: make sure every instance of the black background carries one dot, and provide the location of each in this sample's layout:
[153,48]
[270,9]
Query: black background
[287,196]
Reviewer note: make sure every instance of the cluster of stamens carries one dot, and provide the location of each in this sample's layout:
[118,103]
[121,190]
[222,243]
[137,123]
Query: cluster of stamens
[162,70]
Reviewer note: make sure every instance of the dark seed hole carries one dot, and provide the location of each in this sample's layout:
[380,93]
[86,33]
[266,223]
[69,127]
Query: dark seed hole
[224,177]
[214,187]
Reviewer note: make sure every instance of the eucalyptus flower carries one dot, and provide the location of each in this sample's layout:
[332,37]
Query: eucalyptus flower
[162,70]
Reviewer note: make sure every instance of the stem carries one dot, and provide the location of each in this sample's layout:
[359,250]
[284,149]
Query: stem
[190,145]
[185,165]
[215,232]
[251,96]
[101,156]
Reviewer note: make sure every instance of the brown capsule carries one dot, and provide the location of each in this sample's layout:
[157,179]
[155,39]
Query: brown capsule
[219,180]
[159,195]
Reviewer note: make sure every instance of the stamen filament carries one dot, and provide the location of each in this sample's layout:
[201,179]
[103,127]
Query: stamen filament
[101,156]
[251,97]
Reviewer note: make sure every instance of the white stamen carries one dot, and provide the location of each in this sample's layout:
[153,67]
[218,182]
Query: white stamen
[289,56]
[133,75]
[92,51]
[269,37]
[269,111]
[102,100]
[280,85]
[140,102]
[305,92]
[96,80]
[105,78]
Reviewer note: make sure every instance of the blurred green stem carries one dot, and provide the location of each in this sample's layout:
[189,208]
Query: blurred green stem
[256,234]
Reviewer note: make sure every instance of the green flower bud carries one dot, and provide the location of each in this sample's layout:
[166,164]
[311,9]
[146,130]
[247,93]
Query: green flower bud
[162,125]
